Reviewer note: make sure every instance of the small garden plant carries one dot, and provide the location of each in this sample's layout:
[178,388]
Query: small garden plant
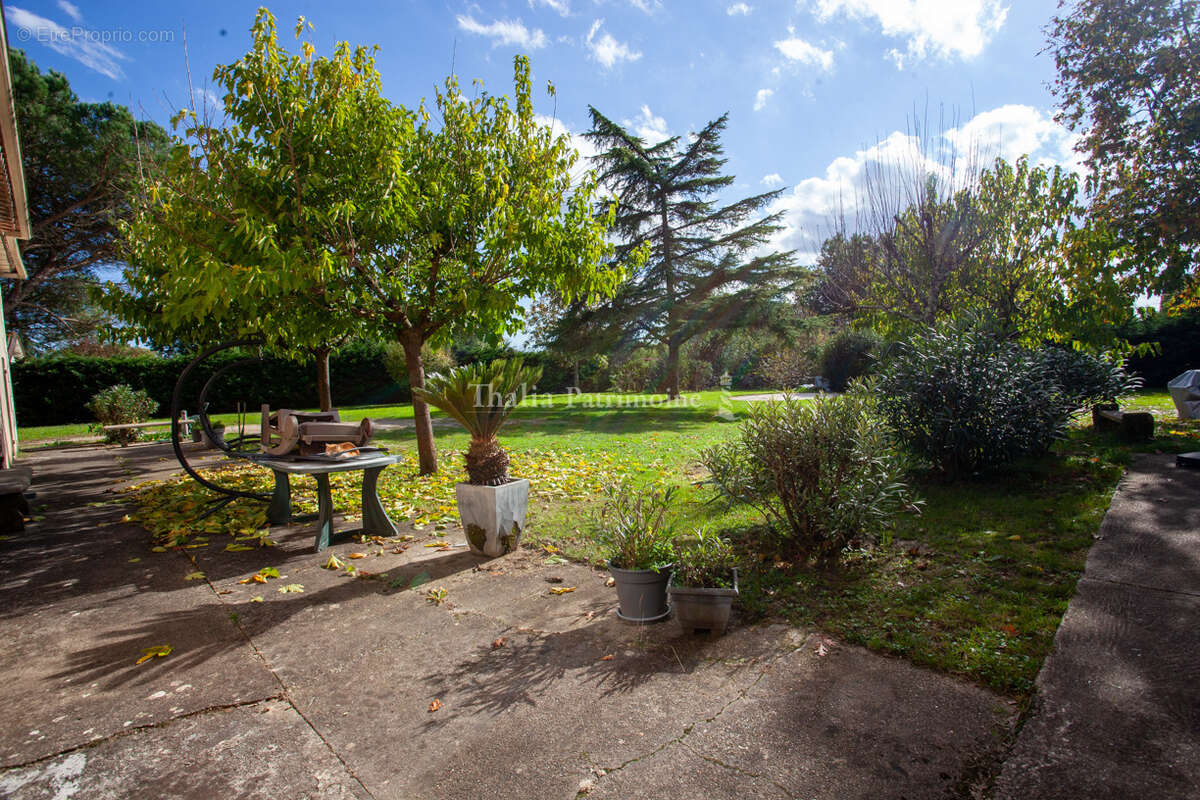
[637,526]
[821,473]
[481,397]
[704,560]
[122,405]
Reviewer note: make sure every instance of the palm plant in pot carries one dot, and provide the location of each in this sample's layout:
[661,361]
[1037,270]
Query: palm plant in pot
[704,582]
[481,397]
[636,527]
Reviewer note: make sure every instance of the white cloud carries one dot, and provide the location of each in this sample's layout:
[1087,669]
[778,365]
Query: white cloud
[738,8]
[796,49]
[503,32]
[648,127]
[774,179]
[71,10]
[79,44]
[607,50]
[1010,131]
[648,6]
[942,28]
[563,7]
[761,97]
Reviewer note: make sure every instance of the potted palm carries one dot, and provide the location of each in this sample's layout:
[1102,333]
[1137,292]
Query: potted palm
[704,582]
[635,525]
[481,397]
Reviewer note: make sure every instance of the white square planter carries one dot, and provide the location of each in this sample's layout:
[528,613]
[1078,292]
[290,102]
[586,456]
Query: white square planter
[493,516]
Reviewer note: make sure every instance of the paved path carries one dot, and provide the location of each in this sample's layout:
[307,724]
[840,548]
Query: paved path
[1118,708]
[326,694]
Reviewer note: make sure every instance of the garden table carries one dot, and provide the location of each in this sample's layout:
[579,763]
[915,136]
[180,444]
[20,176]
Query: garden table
[375,520]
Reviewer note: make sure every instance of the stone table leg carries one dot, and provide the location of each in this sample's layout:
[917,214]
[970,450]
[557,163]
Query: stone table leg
[280,510]
[375,518]
[324,511]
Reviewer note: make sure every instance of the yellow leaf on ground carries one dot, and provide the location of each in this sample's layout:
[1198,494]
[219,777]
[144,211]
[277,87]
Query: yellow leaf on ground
[333,562]
[194,576]
[256,599]
[292,588]
[237,548]
[160,651]
[562,589]
[356,555]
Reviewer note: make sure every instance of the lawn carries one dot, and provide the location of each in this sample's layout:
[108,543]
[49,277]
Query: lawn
[976,585]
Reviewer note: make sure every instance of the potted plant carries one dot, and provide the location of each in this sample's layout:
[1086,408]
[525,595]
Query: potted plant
[703,583]
[481,397]
[635,525]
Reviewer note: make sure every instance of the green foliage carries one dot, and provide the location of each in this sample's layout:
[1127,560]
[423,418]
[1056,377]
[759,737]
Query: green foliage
[79,160]
[437,360]
[637,526]
[54,390]
[967,400]
[480,397]
[1127,83]
[122,405]
[1177,337]
[822,473]
[848,355]
[1005,241]
[704,560]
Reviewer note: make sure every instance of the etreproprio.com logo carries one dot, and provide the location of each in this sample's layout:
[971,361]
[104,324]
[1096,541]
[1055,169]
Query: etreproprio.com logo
[78,35]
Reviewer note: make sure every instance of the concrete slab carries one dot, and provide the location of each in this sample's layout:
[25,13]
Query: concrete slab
[266,751]
[1118,705]
[844,724]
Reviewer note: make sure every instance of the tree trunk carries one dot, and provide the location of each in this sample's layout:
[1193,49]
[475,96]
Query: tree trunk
[672,368]
[324,397]
[426,450]
[575,365]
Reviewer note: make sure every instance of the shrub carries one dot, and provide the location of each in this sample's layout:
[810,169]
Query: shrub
[787,367]
[636,526]
[436,361]
[968,401]
[634,372]
[703,560]
[122,405]
[823,472]
[847,356]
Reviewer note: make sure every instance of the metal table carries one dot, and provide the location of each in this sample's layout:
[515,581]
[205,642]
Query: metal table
[375,520]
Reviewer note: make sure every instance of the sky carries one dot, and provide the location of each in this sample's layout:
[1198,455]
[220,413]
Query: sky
[818,92]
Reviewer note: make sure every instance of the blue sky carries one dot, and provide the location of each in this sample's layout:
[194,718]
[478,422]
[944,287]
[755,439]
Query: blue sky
[817,90]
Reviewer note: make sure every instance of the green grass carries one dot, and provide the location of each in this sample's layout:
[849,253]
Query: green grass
[976,585]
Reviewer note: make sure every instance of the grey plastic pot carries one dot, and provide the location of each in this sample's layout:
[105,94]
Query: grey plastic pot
[641,593]
[703,609]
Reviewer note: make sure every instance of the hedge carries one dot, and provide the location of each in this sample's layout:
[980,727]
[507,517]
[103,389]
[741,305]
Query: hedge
[1179,338]
[55,390]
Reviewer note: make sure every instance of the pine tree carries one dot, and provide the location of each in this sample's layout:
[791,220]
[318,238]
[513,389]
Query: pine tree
[707,265]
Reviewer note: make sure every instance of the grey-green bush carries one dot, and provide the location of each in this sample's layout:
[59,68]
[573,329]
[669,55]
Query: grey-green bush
[122,405]
[967,401]
[823,473]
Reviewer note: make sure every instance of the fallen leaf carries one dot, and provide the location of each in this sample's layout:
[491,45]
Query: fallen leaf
[435,705]
[333,562]
[194,576]
[225,591]
[134,560]
[161,651]
[611,582]
[1016,537]
[258,598]
[561,589]
[356,555]
[1011,630]
[608,657]
[237,548]
[292,588]
[158,549]
[822,650]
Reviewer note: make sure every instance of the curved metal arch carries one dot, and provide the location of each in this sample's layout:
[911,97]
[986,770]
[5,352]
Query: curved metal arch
[202,416]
